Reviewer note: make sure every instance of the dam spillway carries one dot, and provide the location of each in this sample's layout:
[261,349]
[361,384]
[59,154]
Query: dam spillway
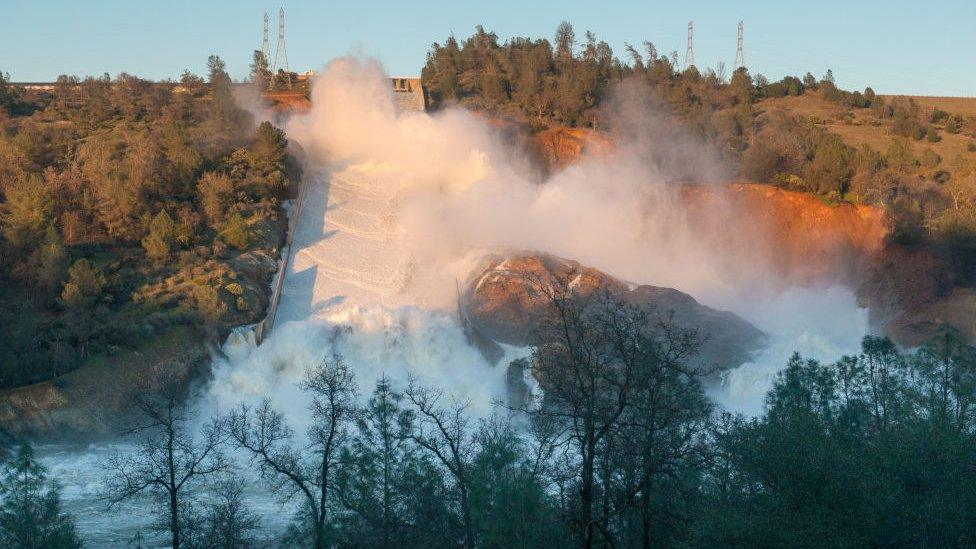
[342,247]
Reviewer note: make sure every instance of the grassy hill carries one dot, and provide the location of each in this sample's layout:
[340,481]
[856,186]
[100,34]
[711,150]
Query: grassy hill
[965,106]
[859,127]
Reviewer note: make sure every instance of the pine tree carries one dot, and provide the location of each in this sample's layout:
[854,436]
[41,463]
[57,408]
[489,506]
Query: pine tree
[84,286]
[260,73]
[161,240]
[31,515]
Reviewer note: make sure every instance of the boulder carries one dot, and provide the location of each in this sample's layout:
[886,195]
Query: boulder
[501,304]
[258,265]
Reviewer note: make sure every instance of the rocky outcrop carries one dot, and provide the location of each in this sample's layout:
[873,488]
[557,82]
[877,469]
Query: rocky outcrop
[502,304]
[559,146]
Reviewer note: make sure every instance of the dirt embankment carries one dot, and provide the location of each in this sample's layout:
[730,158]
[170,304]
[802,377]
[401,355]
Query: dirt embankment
[289,101]
[796,235]
[96,400]
[910,295]
[559,147]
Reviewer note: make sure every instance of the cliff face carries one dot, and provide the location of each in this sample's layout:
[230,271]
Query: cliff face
[795,235]
[559,147]
[503,303]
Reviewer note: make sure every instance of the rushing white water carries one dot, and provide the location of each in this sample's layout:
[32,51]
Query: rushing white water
[81,474]
[400,207]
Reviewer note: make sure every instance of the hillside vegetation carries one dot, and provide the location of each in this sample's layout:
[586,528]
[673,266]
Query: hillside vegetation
[128,208]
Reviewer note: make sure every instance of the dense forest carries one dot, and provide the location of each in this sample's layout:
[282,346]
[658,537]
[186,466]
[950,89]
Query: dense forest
[930,200]
[129,207]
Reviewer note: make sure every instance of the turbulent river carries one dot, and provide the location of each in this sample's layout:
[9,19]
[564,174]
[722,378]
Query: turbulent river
[399,208]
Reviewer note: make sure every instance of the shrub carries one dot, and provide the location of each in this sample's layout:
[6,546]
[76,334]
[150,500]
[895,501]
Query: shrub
[84,286]
[905,221]
[208,303]
[161,240]
[236,233]
[930,159]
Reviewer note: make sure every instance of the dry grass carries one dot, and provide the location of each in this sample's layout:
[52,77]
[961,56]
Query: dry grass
[862,128]
[965,106]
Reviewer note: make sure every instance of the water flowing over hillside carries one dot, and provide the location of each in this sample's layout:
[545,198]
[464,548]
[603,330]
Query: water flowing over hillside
[401,206]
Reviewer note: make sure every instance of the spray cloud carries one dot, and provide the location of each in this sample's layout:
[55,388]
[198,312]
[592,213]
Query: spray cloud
[405,203]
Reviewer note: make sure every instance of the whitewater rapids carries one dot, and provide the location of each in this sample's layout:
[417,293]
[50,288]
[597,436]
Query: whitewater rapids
[398,210]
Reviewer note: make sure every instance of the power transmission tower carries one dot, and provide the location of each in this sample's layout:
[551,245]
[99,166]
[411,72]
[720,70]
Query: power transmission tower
[280,52]
[690,52]
[740,59]
[266,46]
[674,60]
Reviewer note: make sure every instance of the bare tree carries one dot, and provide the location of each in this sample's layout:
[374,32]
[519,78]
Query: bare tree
[170,459]
[603,366]
[264,433]
[228,522]
[443,430]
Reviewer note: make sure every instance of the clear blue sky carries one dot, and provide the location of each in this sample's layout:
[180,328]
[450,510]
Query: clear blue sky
[920,47]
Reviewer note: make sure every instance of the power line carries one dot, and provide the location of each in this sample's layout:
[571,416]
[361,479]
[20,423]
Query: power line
[266,46]
[280,52]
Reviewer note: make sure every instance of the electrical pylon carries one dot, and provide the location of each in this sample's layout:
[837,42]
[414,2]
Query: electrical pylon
[690,52]
[265,45]
[740,58]
[280,53]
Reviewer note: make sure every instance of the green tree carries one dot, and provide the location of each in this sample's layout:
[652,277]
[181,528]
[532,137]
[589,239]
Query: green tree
[84,286]
[260,73]
[830,170]
[9,95]
[268,156]
[161,242]
[899,156]
[216,193]
[52,261]
[741,85]
[27,212]
[565,41]
[509,503]
[30,512]
[208,303]
[235,232]
[226,119]
[389,491]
